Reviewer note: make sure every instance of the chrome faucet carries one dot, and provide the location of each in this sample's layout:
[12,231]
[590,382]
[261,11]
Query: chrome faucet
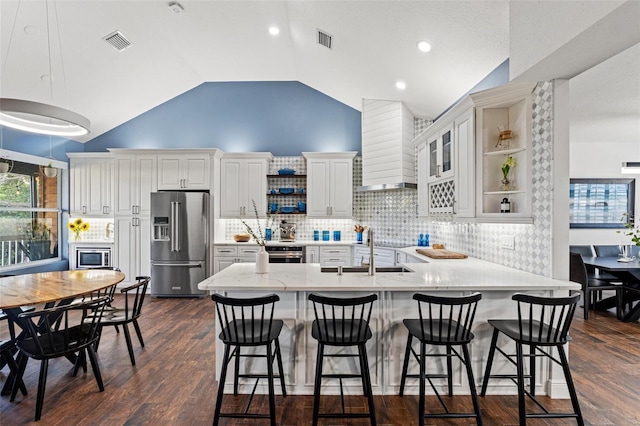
[372,267]
[108,232]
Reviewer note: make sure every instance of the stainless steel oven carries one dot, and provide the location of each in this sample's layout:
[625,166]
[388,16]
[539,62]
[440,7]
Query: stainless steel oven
[285,254]
[92,257]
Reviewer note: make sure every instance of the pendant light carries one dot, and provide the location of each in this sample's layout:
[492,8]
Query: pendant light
[38,117]
[48,170]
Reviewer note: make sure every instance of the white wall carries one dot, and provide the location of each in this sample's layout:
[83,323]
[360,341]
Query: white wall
[605,129]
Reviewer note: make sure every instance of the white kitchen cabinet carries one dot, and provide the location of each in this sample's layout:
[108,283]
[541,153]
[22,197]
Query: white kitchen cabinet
[335,256]
[186,171]
[312,254]
[136,179]
[133,246]
[465,182]
[91,184]
[507,107]
[226,255]
[243,180]
[381,256]
[440,152]
[330,184]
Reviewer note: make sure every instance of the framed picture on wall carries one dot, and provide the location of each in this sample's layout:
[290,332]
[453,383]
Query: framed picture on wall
[601,203]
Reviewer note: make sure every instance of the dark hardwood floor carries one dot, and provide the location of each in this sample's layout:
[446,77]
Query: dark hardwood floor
[173,382]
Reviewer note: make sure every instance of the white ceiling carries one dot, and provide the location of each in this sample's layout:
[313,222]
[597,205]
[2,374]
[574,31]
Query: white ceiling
[213,41]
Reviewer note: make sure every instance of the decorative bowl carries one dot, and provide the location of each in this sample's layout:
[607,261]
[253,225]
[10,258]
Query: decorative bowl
[286,171]
[241,238]
[285,190]
[287,209]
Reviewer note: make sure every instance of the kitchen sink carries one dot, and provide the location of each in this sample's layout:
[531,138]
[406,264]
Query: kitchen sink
[365,269]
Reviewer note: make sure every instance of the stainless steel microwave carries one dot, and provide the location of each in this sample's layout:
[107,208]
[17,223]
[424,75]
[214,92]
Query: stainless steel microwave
[93,257]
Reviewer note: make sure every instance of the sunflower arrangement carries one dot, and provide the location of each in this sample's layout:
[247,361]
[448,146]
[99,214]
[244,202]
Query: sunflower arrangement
[77,226]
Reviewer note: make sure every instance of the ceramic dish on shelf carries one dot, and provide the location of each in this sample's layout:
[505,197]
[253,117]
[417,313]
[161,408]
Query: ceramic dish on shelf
[287,210]
[285,191]
[241,238]
[286,171]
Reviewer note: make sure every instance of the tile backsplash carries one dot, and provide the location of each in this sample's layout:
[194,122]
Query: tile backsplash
[393,214]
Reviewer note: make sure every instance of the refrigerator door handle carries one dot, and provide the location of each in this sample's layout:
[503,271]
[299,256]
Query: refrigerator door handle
[172,231]
[181,265]
[178,244]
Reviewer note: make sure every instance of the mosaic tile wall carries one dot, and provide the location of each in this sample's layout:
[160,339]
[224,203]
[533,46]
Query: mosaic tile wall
[420,124]
[393,215]
[97,230]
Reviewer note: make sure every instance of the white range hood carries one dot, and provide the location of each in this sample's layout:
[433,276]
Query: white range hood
[388,157]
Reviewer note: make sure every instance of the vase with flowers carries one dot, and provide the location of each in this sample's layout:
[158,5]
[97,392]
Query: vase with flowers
[77,226]
[631,230]
[262,257]
[507,166]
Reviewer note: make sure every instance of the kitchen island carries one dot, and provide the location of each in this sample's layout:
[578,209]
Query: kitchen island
[293,283]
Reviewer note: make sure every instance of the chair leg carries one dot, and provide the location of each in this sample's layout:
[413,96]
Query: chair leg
[487,371]
[421,398]
[127,337]
[522,409]
[532,369]
[572,389]
[280,368]
[223,375]
[272,398]
[42,383]
[405,364]
[95,367]
[22,365]
[236,374]
[13,375]
[472,384]
[317,384]
[449,371]
[138,332]
[366,378]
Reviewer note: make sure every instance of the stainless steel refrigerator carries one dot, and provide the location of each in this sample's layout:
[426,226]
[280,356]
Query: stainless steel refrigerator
[179,243]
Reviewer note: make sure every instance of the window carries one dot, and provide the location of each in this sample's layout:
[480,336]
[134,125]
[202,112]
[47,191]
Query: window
[29,215]
[600,203]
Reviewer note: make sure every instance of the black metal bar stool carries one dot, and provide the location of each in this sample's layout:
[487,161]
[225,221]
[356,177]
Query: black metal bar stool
[249,323]
[530,329]
[443,321]
[342,322]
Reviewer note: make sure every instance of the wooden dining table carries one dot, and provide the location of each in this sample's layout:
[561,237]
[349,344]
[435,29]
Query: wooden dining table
[49,288]
[630,281]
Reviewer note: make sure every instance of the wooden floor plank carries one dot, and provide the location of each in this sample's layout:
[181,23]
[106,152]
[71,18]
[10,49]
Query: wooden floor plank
[173,382]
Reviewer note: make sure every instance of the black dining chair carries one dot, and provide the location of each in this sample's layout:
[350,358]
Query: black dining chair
[248,323]
[47,338]
[442,322]
[543,324]
[592,287]
[114,316]
[342,322]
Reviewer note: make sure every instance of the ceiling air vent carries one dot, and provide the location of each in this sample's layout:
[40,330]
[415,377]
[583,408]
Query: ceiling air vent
[117,40]
[325,39]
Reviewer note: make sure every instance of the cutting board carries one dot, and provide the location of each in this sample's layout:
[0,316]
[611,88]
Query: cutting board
[441,254]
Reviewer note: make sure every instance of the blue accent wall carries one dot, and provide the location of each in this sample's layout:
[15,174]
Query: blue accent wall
[284,118]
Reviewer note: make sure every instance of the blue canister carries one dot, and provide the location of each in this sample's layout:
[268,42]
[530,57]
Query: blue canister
[426,240]
[336,235]
[359,237]
[302,207]
[267,234]
[325,235]
[421,240]
[316,235]
[273,207]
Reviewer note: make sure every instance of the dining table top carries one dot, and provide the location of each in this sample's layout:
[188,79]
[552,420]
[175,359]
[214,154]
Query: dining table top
[45,287]
[612,264]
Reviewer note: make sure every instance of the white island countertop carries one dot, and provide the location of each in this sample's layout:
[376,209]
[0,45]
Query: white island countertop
[450,274]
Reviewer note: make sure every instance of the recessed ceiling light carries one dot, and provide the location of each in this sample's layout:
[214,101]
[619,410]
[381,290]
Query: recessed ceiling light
[400,85]
[424,46]
[274,30]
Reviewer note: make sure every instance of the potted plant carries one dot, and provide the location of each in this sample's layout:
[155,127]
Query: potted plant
[50,171]
[37,244]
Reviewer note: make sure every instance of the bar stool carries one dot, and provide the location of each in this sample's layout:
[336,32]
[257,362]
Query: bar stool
[249,323]
[342,322]
[530,329]
[444,322]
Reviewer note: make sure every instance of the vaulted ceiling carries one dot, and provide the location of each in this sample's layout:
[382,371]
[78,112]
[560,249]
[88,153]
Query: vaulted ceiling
[374,45]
